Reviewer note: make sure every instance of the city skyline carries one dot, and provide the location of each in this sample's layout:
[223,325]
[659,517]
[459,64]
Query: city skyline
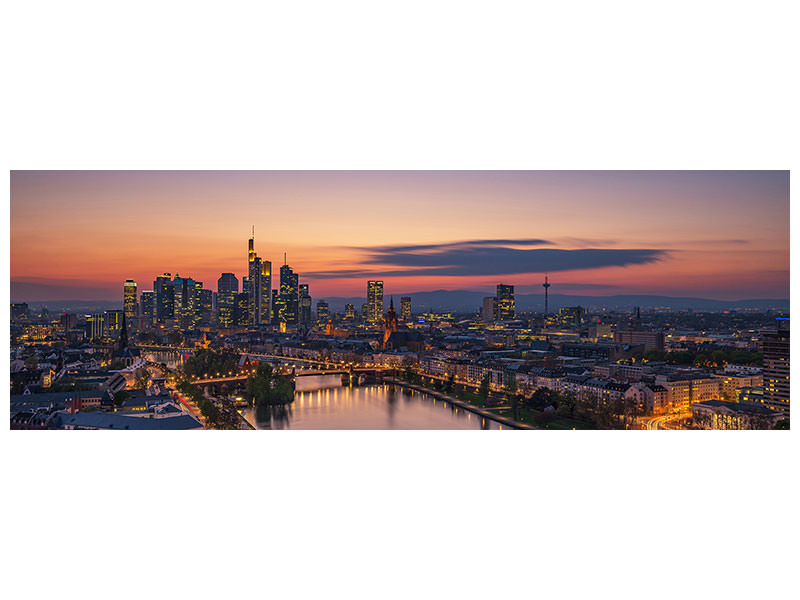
[718,235]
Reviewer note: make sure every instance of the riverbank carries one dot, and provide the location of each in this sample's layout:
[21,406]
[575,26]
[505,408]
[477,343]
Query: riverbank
[461,404]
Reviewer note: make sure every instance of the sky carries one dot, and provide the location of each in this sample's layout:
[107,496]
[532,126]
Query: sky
[77,235]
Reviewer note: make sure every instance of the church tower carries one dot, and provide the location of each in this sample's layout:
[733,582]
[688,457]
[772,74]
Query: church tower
[389,323]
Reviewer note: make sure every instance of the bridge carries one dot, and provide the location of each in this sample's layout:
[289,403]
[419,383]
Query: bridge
[224,381]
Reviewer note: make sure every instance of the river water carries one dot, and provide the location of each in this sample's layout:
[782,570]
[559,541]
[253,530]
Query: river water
[323,403]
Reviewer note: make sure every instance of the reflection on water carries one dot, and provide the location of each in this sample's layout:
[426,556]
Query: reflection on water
[369,407]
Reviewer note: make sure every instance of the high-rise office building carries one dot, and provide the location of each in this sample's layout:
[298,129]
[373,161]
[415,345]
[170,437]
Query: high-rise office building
[374,302]
[227,290]
[275,307]
[227,283]
[304,304]
[68,321]
[94,326]
[164,297]
[489,309]
[266,285]
[259,282]
[129,300]
[113,322]
[241,310]
[405,308]
[288,296]
[205,305]
[147,308]
[365,312]
[323,312]
[349,312]
[775,348]
[506,309]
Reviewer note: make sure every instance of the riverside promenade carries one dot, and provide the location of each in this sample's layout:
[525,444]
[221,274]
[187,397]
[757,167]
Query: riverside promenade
[461,404]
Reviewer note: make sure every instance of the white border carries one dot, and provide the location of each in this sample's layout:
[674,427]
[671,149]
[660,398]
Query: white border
[362,85]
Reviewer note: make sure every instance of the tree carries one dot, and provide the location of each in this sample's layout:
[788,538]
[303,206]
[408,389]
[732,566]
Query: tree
[782,424]
[264,388]
[514,401]
[120,397]
[566,404]
[483,390]
[142,378]
[510,383]
[451,383]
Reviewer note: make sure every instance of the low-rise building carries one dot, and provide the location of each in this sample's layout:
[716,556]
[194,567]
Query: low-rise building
[718,414]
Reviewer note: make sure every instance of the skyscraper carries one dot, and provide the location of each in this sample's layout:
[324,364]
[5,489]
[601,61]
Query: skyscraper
[288,296]
[506,309]
[266,285]
[405,308]
[94,326]
[259,281]
[129,299]
[147,309]
[241,310]
[227,290]
[489,309]
[323,312]
[275,309]
[374,302]
[205,305]
[164,297]
[349,312]
[227,283]
[775,348]
[113,322]
[305,304]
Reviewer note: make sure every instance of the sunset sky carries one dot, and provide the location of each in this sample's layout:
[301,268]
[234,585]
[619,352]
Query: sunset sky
[724,234]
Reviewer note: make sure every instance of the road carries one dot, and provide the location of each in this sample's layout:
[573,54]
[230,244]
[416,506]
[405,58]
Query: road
[666,421]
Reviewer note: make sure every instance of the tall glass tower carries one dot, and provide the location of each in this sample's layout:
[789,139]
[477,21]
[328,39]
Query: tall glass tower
[374,301]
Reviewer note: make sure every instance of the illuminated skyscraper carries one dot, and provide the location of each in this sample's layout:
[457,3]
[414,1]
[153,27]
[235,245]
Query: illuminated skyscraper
[227,290]
[775,347]
[147,309]
[241,310]
[257,286]
[205,305]
[94,326]
[288,296]
[305,304]
[323,312]
[129,299]
[374,302]
[164,297]
[276,306]
[506,309]
[113,322]
[405,308]
[266,285]
[349,312]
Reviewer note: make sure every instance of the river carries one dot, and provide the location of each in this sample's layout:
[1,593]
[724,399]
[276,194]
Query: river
[323,403]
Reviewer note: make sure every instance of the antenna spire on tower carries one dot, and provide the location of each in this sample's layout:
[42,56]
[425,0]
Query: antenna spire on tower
[545,285]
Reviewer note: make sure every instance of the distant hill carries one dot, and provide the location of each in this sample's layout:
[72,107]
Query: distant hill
[76,306]
[470,301]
